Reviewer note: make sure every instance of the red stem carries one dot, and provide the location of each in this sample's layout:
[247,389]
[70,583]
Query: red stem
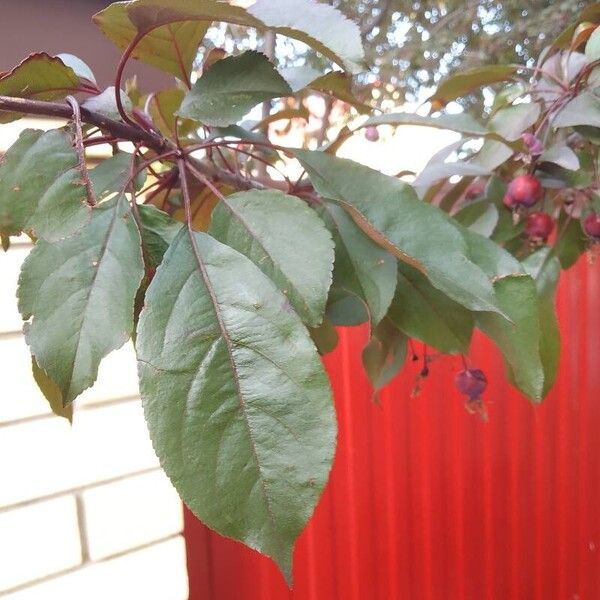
[119,76]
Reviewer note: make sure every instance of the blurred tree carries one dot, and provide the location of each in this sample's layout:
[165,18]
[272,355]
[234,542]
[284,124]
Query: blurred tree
[412,45]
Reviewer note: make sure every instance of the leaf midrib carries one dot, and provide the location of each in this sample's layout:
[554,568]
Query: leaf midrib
[229,348]
[101,257]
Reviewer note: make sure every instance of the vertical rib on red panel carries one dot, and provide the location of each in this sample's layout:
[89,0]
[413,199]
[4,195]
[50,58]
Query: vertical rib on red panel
[428,502]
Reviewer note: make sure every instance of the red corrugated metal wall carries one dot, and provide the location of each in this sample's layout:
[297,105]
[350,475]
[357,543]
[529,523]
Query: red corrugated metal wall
[427,502]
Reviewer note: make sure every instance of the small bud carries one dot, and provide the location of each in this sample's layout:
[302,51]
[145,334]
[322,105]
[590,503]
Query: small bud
[533,144]
[371,134]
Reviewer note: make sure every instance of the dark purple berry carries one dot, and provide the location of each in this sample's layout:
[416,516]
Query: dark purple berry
[525,190]
[591,226]
[471,382]
[539,226]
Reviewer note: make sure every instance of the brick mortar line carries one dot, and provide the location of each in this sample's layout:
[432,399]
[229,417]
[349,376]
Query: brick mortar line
[82,529]
[97,404]
[10,335]
[85,566]
[77,490]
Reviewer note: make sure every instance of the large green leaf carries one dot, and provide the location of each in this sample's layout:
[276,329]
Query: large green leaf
[79,295]
[362,268]
[520,339]
[389,212]
[39,77]
[469,80]
[41,187]
[231,88]
[423,312]
[385,353]
[320,26]
[286,240]
[236,399]
[545,269]
[170,44]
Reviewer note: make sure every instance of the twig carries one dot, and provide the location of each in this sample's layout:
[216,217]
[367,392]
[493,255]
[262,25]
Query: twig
[80,149]
[128,51]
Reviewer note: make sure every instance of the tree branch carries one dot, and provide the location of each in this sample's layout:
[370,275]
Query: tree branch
[65,111]
[131,133]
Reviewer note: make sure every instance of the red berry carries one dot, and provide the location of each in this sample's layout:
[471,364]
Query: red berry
[475,190]
[471,382]
[372,134]
[591,226]
[525,190]
[533,144]
[539,226]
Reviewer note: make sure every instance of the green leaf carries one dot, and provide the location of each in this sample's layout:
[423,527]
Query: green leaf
[320,26]
[362,268]
[80,293]
[235,396]
[324,337]
[111,175]
[519,340]
[435,172]
[508,123]
[512,121]
[158,232]
[170,44]
[561,155]
[389,212]
[41,187]
[80,68]
[162,107]
[339,85]
[545,269]
[572,243]
[424,313]
[462,123]
[385,354]
[584,109]
[592,48]
[106,103]
[51,392]
[286,240]
[346,309]
[39,77]
[469,80]
[231,88]
[480,216]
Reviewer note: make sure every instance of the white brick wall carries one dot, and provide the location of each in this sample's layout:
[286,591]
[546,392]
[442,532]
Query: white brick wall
[85,512]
